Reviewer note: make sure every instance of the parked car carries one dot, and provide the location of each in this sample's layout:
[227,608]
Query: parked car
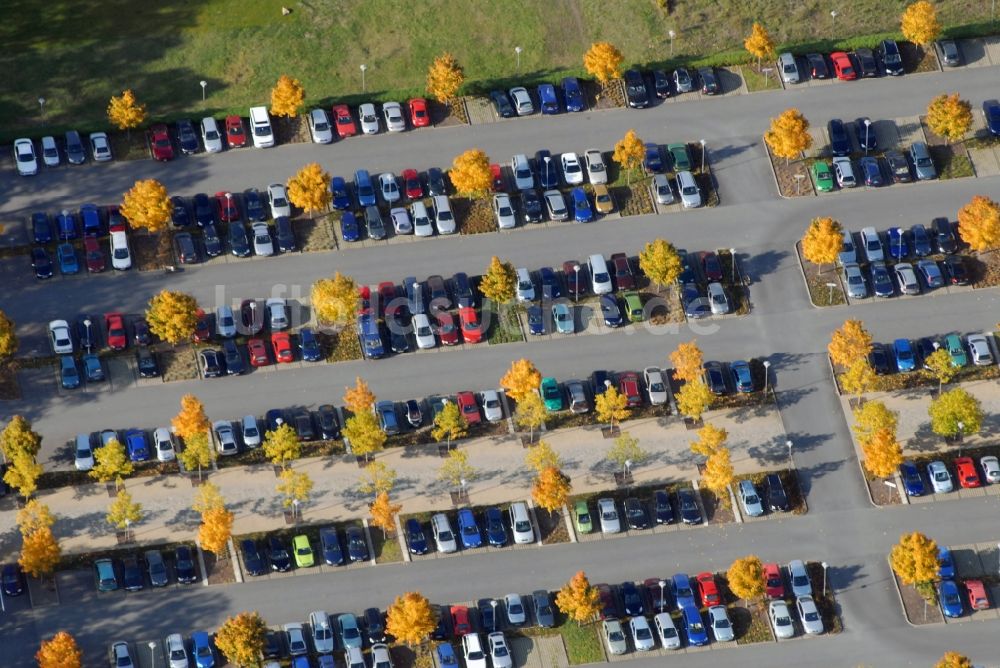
[965,471]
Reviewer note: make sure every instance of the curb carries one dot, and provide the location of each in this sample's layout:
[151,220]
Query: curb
[774,174]
[737,513]
[368,541]
[805,282]
[569,524]
[237,571]
[402,539]
[201,564]
[701,505]
[534,519]
[899,595]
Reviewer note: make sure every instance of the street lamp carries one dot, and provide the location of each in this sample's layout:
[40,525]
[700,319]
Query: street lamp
[672,34]
[702,156]
[576,278]
[517,50]
[961,432]
[628,465]
[295,509]
[493,604]
[462,481]
[152,652]
[732,254]
[86,323]
[868,125]
[41,105]
[767,367]
[662,583]
[825,566]
[791,462]
[833,15]
[128,526]
[203,85]
[547,159]
[363,69]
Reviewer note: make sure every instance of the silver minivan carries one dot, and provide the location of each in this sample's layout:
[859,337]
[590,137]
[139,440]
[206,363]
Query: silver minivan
[600,276]
[443,535]
[922,162]
[789,70]
[686,186]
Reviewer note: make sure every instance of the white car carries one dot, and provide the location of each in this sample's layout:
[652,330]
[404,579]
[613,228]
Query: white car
[401,220]
[422,225]
[655,386]
[492,409]
[524,178]
[380,656]
[597,171]
[210,135]
[225,323]
[423,332]
[225,437]
[980,349]
[50,152]
[443,217]
[517,615]
[25,158]
[352,657]
[499,652]
[100,147]
[163,441]
[83,458]
[991,468]
[688,189]
[251,431]
[393,114]
[940,477]
[844,172]
[60,337]
[121,655]
[907,278]
[642,635]
[388,187]
[718,619]
[717,298]
[503,211]
[812,623]
[262,243]
[322,632]
[781,620]
[319,127]
[608,514]
[525,289]
[176,653]
[572,170]
[472,651]
[121,256]
[665,628]
[277,313]
[799,578]
[368,118]
[614,636]
[295,639]
[277,197]
[522,101]
[556,205]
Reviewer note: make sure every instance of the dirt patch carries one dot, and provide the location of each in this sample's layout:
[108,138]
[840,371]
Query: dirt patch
[151,252]
[291,130]
[917,59]
[785,172]
[882,494]
[716,511]
[129,145]
[10,389]
[665,307]
[445,115]
[179,364]
[951,160]
[609,95]
[918,610]
[633,199]
[317,234]
[219,571]
[473,216]
[551,526]
[817,278]
[985,269]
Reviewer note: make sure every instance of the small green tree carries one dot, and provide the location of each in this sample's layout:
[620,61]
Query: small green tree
[626,449]
[111,463]
[282,446]
[450,424]
[364,434]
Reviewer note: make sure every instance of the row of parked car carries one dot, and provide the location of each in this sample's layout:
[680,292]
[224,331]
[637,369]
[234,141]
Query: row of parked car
[93,221]
[905,355]
[27,157]
[893,167]
[941,478]
[862,63]
[85,337]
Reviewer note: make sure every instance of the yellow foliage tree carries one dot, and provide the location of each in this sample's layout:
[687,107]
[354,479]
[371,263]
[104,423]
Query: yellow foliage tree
[147,205]
[310,190]
[660,262]
[626,449]
[541,456]
[979,223]
[111,462]
[688,362]
[410,618]
[578,599]
[8,338]
[629,153]
[18,436]
[499,283]
[520,379]
[949,116]
[364,434]
[470,173]
[125,112]
[759,43]
[40,553]
[603,61]
[914,559]
[551,489]
[873,416]
[450,424]
[859,377]
[456,468]
[611,406]
[378,478]
[172,316]
[281,445]
[287,96]
[444,78]
[295,486]
[693,399]
[883,453]
[335,300]
[197,452]
[939,367]
[955,406]
[823,241]
[191,419]
[207,497]
[59,651]
[849,344]
[710,439]
[789,135]
[919,23]
[359,398]
[384,512]
[22,474]
[242,638]
[530,413]
[746,578]
[33,516]
[718,475]
[954,660]
[216,529]
[124,511]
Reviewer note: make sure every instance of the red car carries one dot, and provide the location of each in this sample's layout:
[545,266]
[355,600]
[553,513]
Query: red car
[978,598]
[774,585]
[115,324]
[258,352]
[228,209]
[843,67]
[460,620]
[470,409]
[202,328]
[499,185]
[472,332]
[364,300]
[236,136]
[967,474]
[346,127]
[711,265]
[708,592]
[95,256]
[446,329]
[159,142]
[624,278]
[609,607]
[282,344]
[419,116]
[628,384]
[411,184]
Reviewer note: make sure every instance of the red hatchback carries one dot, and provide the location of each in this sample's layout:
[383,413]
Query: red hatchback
[411,184]
[115,324]
[708,591]
[469,408]
[236,136]
[94,255]
[159,142]
[499,185]
[446,329]
[843,67]
[460,620]
[967,474]
[228,209]
[364,300]
[202,328]
[346,127]
[628,384]
[258,352]
[282,344]
[774,585]
[419,116]
[978,598]
[472,332]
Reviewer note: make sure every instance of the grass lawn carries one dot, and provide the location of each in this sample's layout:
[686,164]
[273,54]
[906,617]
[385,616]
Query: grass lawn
[583,643]
[756,81]
[504,328]
[76,55]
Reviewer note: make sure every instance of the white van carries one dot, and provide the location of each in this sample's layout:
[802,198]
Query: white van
[443,535]
[520,523]
[600,276]
[525,288]
[686,186]
[260,126]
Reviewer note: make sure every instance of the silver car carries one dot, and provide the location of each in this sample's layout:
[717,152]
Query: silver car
[788,68]
[177,656]
[907,279]
[749,499]
[210,135]
[517,614]
[608,513]
[597,171]
[319,126]
[251,431]
[848,253]
[991,468]
[940,477]
[667,631]
[503,211]
[980,349]
[781,620]
[422,225]
[499,652]
[262,243]
[801,585]
[722,628]
[717,298]
[922,163]
[812,623]
[225,437]
[642,635]
[688,188]
[393,113]
[844,172]
[524,178]
[492,409]
[369,119]
[855,281]
[225,323]
[556,205]
[614,636]
[388,187]
[522,101]
[661,188]
[655,387]
[322,632]
[401,220]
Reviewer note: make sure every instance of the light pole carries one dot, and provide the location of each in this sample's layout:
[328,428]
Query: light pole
[576,278]
[517,50]
[203,85]
[364,68]
[868,125]
[662,583]
[767,368]
[464,493]
[798,183]
[961,431]
[128,526]
[732,254]
[152,652]
[295,509]
[547,159]
[791,462]
[86,323]
[829,297]
[672,34]
[493,604]
[833,15]
[625,472]
[825,566]
[41,105]
[702,156]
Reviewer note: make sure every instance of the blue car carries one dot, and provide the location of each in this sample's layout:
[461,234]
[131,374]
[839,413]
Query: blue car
[416,539]
[41,262]
[371,338]
[349,227]
[912,482]
[741,376]
[341,196]
[446,656]
[653,162]
[898,248]
[135,444]
[91,216]
[680,587]
[951,600]
[92,369]
[946,570]
[496,534]
[302,662]
[549,283]
[905,360]
[696,632]
[363,188]
[582,211]
[468,529]
[611,312]
[253,206]
[66,224]
[41,227]
[536,321]
[329,544]
[201,647]
[572,94]
[548,99]
[66,256]
[69,375]
[309,346]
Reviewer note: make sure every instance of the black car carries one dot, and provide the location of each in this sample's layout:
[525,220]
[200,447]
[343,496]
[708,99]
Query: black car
[252,560]
[690,512]
[715,377]
[357,548]
[879,359]
[180,217]
[635,514]
[817,66]
[414,415]
[253,206]
[211,363]
[437,183]
[925,347]
[461,288]
[599,382]
[274,645]
[274,418]
[899,168]
[187,138]
[631,598]
[184,565]
[777,500]
[284,234]
[438,291]
[233,356]
[13,580]
[330,546]
[611,311]
[501,104]
[531,205]
[871,171]
[956,270]
[326,420]
[709,81]
[41,227]
[635,90]
[661,84]
[865,133]
[882,284]
[239,241]
[921,239]
[374,625]
[75,153]
[145,362]
[944,235]
[278,555]
[251,317]
[547,168]
[185,248]
[41,262]
[867,67]
[442,630]
[551,288]
[840,143]
[662,509]
[398,341]
[303,424]
[892,61]
[132,573]
[213,243]
[416,539]
[487,614]
[204,212]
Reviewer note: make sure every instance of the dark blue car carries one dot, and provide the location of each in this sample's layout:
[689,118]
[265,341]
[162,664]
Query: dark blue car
[308,345]
[135,444]
[330,546]
[741,376]
[69,375]
[363,188]
[951,600]
[41,262]
[572,94]
[680,587]
[550,283]
[582,211]
[946,570]
[371,337]
[991,109]
[468,529]
[66,224]
[349,228]
[912,482]
[341,196]
[41,227]
[415,537]
[898,248]
[66,255]
[253,206]
[694,626]
[496,534]
[653,162]
[92,224]
[536,323]
[548,99]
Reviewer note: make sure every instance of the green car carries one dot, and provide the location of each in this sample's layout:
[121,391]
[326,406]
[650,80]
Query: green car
[953,344]
[634,306]
[822,176]
[552,394]
[583,522]
[680,156]
[303,551]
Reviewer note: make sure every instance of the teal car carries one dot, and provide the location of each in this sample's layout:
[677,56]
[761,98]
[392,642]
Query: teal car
[583,522]
[953,344]
[551,394]
[822,176]
[680,156]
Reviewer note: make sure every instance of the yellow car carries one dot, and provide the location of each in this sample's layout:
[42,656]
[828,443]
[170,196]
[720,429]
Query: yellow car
[602,199]
[303,551]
